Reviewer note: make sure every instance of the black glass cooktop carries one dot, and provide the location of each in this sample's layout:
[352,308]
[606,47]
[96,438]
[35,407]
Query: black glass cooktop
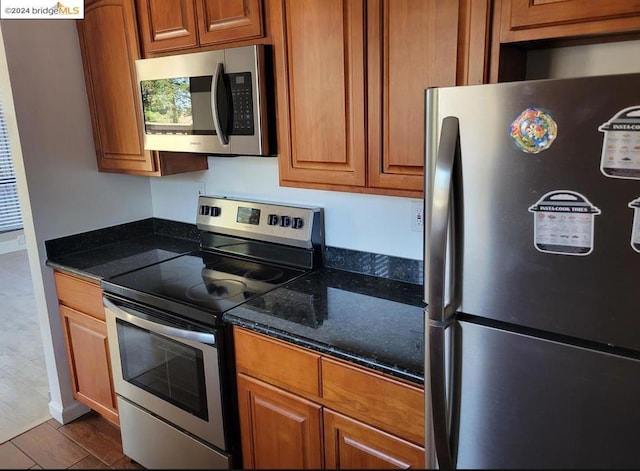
[200,281]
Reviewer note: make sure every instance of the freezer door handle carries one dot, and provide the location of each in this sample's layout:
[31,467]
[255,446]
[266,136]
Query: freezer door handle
[438,442]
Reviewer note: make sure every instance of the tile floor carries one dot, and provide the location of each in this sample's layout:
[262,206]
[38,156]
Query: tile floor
[24,390]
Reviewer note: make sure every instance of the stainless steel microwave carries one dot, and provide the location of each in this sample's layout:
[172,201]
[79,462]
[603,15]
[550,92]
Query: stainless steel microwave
[214,102]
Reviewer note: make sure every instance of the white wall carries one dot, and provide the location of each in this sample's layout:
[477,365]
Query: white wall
[378,224]
[61,192]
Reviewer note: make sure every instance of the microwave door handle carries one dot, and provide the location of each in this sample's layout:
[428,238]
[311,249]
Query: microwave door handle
[217,76]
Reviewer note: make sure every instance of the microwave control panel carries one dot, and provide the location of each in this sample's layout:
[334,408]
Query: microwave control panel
[242,99]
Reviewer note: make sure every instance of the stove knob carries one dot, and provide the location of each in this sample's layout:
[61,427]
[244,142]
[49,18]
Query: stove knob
[272,219]
[297,223]
[285,221]
[215,211]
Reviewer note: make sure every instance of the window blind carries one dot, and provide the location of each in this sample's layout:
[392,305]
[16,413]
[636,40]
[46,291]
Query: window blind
[10,215]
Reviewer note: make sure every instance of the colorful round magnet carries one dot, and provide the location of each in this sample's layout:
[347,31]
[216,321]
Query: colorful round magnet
[534,130]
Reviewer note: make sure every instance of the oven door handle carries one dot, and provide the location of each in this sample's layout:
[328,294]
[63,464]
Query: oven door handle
[130,317]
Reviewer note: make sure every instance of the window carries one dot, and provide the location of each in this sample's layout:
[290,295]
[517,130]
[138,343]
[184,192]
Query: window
[10,215]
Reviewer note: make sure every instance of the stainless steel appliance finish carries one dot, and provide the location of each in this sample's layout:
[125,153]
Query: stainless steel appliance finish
[145,342]
[532,354]
[154,442]
[212,102]
[170,352]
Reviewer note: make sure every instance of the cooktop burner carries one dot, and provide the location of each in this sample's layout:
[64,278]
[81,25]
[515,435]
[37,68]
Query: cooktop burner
[215,289]
[212,282]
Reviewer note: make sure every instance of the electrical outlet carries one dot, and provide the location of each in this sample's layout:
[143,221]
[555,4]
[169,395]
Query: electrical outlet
[417,216]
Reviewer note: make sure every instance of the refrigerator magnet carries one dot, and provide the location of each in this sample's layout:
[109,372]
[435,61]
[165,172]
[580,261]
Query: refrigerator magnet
[621,145]
[533,130]
[563,223]
[635,231]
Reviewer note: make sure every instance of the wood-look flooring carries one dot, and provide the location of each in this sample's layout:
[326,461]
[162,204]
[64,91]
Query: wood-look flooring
[24,389]
[89,442]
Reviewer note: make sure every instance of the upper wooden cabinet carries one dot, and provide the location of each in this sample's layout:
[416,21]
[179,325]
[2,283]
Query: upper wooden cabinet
[525,20]
[109,47]
[171,25]
[519,25]
[351,78]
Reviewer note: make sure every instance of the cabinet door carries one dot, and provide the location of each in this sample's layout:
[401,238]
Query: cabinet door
[109,46]
[412,45]
[350,444]
[88,356]
[278,430]
[543,19]
[321,89]
[221,21]
[167,25]
[381,401]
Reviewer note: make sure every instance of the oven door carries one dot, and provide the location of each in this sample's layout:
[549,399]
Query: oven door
[169,369]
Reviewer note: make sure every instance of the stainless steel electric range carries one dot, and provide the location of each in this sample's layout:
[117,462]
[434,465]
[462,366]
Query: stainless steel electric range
[171,355]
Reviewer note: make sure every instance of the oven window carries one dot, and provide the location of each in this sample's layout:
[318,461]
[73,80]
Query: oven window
[163,367]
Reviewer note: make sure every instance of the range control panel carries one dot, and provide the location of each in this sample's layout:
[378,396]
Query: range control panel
[270,222]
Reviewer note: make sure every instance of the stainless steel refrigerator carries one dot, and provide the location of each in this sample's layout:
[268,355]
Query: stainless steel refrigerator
[532,274]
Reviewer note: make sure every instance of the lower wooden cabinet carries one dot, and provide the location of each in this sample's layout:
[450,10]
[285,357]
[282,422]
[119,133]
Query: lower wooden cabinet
[85,335]
[357,419]
[279,430]
[351,444]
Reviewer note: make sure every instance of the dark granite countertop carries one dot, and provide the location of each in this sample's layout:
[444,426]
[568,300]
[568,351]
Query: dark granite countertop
[372,321]
[104,253]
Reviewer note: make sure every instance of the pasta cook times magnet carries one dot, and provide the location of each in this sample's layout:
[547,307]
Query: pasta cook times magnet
[621,145]
[563,223]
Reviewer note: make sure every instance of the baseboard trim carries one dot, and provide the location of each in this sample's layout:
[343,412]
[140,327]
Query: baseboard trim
[66,414]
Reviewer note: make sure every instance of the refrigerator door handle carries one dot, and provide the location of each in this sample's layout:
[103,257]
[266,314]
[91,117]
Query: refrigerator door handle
[440,219]
[439,315]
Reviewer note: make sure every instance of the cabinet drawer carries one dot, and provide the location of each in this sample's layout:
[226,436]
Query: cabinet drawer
[375,399]
[79,294]
[289,367]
